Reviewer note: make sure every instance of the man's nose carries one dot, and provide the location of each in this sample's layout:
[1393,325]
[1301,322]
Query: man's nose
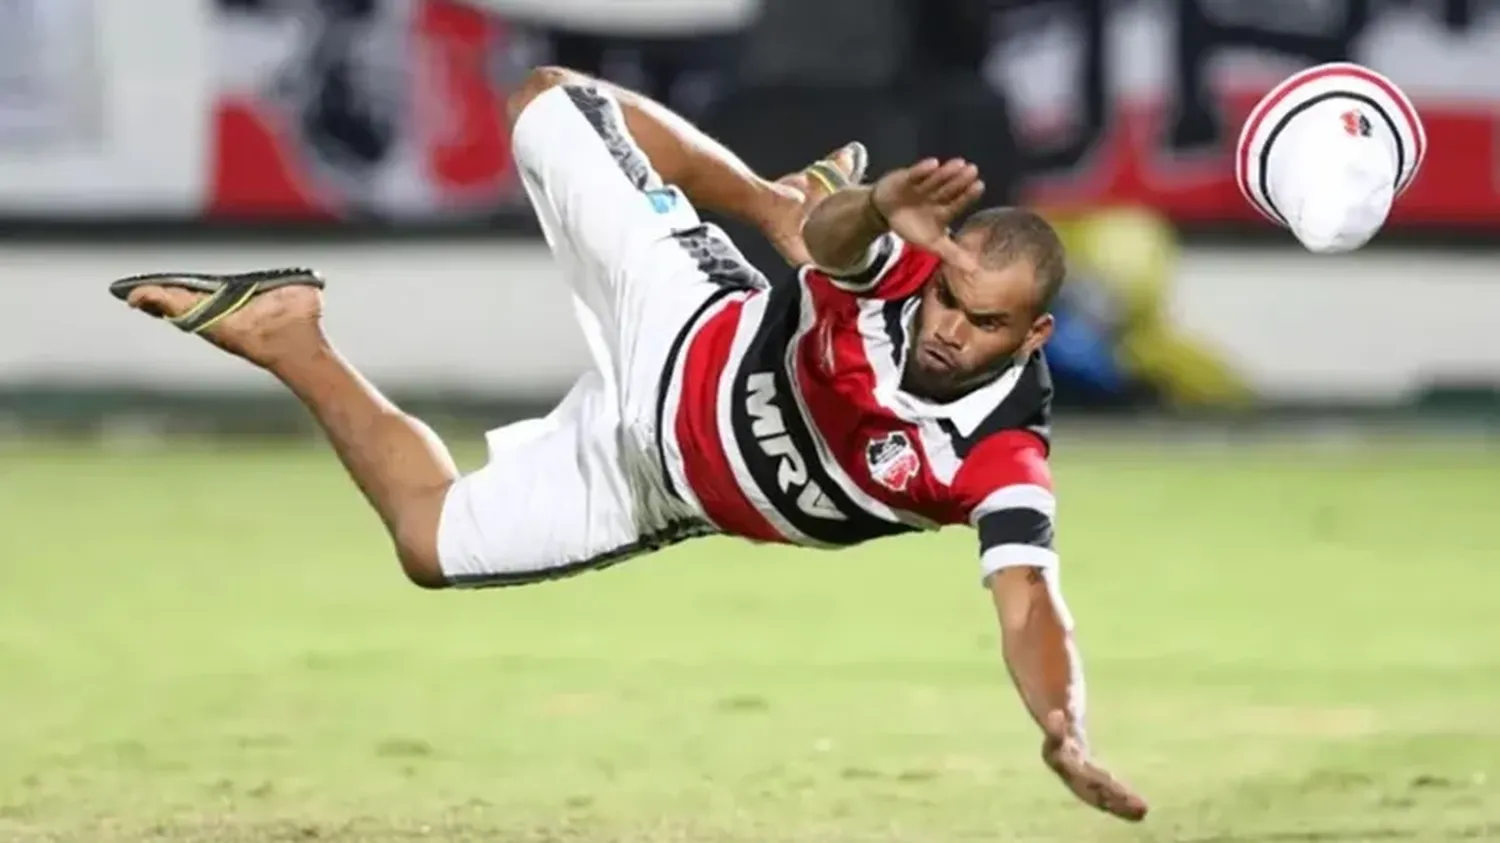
[950,328]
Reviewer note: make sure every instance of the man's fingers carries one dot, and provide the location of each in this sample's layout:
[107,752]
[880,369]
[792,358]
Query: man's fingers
[955,205]
[899,187]
[931,180]
[1130,807]
[954,255]
[1088,781]
[919,171]
[969,196]
[947,193]
[954,185]
[952,170]
[1113,796]
[1097,787]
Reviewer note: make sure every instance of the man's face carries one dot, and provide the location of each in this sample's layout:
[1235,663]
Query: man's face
[971,325]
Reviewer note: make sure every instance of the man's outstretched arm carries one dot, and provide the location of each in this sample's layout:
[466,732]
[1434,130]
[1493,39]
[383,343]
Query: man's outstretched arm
[1008,484]
[1037,639]
[709,173]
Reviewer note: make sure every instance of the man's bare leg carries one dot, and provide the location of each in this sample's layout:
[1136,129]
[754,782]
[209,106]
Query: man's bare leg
[399,464]
[396,460]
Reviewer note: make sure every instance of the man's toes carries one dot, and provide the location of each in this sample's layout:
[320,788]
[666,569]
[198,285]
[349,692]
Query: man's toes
[162,301]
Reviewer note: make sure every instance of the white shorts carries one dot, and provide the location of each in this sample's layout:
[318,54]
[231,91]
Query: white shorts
[584,487]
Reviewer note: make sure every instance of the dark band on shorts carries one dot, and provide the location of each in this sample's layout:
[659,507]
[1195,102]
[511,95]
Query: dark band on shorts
[603,114]
[674,533]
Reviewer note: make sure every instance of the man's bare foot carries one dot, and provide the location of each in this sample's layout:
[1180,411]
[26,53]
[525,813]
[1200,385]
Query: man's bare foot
[272,326]
[796,194]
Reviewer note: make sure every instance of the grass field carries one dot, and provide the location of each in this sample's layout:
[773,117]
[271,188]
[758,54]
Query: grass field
[215,646]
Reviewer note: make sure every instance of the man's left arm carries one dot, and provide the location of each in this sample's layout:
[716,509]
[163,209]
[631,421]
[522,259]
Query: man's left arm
[1013,517]
[1019,564]
[1040,651]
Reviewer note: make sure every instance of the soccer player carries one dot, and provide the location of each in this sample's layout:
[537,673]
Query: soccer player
[897,383]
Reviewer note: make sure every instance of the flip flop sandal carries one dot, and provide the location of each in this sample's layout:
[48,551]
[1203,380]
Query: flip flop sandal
[226,293]
[833,179]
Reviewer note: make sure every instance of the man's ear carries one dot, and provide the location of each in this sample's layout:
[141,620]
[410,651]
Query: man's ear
[1041,331]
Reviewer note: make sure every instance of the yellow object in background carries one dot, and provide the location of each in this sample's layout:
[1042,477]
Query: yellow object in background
[1132,254]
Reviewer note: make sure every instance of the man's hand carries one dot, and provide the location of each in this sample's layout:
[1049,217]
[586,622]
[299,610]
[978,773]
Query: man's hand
[919,202]
[788,206]
[1064,753]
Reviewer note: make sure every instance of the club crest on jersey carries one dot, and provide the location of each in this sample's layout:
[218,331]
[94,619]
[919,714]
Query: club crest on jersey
[893,461]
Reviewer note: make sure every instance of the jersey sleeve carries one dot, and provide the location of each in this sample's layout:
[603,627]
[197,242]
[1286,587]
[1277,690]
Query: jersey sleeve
[1005,485]
[890,269]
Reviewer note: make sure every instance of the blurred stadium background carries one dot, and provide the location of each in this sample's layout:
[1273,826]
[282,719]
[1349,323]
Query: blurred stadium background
[1276,468]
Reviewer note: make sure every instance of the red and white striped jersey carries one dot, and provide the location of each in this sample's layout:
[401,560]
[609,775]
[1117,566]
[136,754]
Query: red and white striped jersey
[784,421]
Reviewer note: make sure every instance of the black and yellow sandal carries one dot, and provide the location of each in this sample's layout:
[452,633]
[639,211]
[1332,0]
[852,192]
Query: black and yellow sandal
[832,178]
[226,293]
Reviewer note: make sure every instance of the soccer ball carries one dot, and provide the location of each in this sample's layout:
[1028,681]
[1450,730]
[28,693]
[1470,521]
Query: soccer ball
[1327,153]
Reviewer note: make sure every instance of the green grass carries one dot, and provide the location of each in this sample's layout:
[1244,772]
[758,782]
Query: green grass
[216,646]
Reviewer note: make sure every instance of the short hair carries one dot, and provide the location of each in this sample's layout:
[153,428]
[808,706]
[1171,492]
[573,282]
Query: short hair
[1010,234]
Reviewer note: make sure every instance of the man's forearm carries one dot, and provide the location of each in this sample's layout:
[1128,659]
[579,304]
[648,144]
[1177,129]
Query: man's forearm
[841,229]
[1044,663]
[1039,648]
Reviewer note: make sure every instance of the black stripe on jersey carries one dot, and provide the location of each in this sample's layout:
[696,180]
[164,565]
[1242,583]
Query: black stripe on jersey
[664,385]
[721,263]
[776,443]
[1021,525]
[1027,407]
[894,314]
[865,278]
[1265,151]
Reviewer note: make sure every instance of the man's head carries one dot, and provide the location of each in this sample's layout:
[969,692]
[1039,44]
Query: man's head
[972,325]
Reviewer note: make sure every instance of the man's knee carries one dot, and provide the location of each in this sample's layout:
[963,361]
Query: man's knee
[539,81]
[421,567]
[416,539]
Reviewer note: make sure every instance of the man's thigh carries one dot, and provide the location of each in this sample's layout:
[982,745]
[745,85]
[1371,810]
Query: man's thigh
[632,248]
[554,499]
[596,192]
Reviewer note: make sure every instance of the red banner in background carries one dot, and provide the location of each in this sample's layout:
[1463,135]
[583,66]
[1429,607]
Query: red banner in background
[1456,185]
[395,111]
[1141,102]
